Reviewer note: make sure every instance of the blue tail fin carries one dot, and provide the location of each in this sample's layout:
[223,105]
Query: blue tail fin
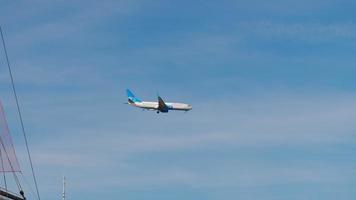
[131,97]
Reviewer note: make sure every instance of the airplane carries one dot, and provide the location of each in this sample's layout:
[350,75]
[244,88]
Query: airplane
[159,106]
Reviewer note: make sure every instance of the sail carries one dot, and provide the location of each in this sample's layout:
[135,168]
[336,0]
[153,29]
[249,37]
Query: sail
[8,159]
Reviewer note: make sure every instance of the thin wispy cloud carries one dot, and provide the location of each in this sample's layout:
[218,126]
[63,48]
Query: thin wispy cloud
[317,32]
[261,127]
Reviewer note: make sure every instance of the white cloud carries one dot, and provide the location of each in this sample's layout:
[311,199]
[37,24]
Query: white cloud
[310,31]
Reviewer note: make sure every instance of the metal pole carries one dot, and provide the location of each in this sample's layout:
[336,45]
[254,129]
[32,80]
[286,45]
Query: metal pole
[64,188]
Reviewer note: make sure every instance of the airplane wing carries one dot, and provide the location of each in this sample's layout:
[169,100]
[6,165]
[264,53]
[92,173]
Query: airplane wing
[161,105]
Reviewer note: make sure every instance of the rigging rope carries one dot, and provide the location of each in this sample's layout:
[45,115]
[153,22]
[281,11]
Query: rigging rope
[3,170]
[12,168]
[19,113]
[27,183]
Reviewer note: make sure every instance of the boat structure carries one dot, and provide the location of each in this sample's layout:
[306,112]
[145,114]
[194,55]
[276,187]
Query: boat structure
[12,180]
[9,164]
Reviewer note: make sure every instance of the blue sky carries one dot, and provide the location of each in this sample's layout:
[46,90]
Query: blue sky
[271,83]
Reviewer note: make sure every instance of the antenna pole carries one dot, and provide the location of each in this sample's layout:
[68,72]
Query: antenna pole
[64,188]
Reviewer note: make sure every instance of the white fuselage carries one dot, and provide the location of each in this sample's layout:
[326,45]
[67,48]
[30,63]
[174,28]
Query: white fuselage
[154,105]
